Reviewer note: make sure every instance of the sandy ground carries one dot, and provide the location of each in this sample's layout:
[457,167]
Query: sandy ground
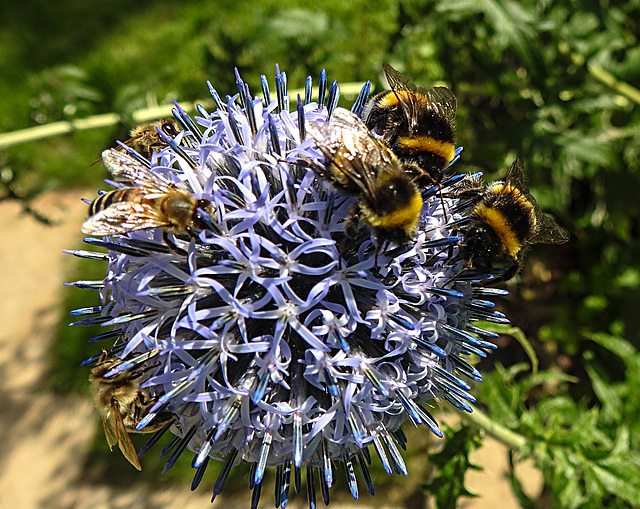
[44,437]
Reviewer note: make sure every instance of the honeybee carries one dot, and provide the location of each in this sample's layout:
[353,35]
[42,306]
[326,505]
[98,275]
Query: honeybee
[145,139]
[153,203]
[504,220]
[416,123]
[123,404]
[359,165]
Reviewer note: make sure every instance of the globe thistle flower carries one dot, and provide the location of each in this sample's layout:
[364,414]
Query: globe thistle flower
[269,339]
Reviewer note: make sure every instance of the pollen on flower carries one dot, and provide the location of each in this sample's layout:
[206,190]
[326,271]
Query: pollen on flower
[276,341]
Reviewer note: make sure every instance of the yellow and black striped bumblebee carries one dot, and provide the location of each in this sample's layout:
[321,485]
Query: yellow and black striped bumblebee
[359,165]
[418,124]
[503,220]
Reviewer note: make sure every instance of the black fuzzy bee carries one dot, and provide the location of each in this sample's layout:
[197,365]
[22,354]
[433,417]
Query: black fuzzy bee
[358,164]
[504,220]
[416,123]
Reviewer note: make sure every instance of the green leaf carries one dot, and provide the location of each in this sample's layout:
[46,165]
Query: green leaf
[453,462]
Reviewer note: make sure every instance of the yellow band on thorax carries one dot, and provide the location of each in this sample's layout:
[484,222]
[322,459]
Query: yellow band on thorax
[499,224]
[444,149]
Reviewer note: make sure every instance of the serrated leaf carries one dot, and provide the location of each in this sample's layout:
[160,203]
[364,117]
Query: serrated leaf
[453,462]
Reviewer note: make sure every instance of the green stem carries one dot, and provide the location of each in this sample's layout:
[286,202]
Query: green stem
[57,129]
[110,119]
[612,82]
[604,77]
[500,433]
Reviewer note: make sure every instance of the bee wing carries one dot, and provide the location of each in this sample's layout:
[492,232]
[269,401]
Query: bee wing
[356,155]
[333,134]
[123,217]
[123,439]
[109,424]
[441,97]
[445,101]
[127,169]
[516,182]
[517,177]
[548,231]
[397,80]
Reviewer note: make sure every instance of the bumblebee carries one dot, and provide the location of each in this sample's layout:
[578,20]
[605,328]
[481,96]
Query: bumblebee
[153,203]
[146,140]
[359,165]
[416,123]
[123,404]
[503,221]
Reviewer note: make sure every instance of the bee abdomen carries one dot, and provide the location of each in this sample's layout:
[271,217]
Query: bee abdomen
[108,199]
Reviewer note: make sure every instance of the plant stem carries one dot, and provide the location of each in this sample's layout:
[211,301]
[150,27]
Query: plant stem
[500,433]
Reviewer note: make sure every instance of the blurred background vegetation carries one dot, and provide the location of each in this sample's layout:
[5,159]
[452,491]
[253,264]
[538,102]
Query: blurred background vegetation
[551,81]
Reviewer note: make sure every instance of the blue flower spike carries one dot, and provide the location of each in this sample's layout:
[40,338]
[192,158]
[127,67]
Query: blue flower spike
[269,339]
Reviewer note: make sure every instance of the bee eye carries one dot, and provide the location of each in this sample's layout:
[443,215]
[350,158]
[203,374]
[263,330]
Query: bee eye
[168,128]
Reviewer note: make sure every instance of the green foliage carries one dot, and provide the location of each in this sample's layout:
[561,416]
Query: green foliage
[61,94]
[586,450]
[452,463]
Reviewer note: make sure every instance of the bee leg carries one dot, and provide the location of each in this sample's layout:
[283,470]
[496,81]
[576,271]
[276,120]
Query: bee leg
[375,258]
[104,355]
[350,230]
[508,274]
[351,224]
[451,261]
[172,245]
[444,209]
[453,278]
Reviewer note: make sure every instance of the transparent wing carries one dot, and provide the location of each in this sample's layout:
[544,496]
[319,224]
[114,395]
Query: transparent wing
[123,217]
[109,423]
[517,177]
[356,155]
[343,127]
[548,231]
[124,440]
[441,97]
[127,169]
[444,99]
[397,80]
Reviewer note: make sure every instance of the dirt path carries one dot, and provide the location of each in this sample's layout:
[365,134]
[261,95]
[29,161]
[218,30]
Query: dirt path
[45,437]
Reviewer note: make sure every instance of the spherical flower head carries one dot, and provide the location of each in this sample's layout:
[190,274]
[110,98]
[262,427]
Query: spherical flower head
[269,336]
